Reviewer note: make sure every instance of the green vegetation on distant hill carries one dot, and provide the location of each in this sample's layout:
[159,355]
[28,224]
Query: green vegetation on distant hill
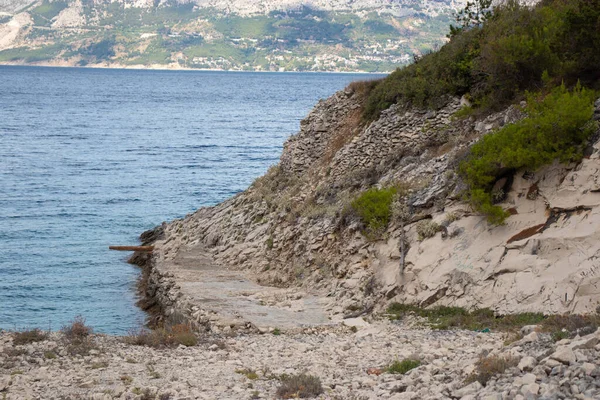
[518,48]
[191,36]
[43,14]
[31,55]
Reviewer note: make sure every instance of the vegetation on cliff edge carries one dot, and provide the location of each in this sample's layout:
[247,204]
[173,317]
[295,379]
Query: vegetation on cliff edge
[515,49]
[556,127]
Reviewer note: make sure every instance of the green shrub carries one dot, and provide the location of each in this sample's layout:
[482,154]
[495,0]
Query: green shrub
[560,335]
[557,127]
[402,367]
[443,317]
[374,208]
[517,48]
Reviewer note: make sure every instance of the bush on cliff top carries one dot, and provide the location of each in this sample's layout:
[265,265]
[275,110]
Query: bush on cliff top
[516,49]
[557,127]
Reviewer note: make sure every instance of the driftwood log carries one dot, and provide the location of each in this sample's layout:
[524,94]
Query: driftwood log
[132,248]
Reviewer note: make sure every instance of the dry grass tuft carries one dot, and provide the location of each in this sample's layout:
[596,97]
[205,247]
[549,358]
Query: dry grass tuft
[29,336]
[77,336]
[427,229]
[77,330]
[172,336]
[300,386]
[488,367]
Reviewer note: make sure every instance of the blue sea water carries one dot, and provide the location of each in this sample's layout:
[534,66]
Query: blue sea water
[92,157]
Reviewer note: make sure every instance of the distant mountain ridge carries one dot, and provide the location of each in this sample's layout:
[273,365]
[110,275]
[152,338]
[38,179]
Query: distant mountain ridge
[290,35]
[249,7]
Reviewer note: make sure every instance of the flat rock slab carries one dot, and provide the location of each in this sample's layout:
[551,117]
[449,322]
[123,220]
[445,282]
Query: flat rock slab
[232,295]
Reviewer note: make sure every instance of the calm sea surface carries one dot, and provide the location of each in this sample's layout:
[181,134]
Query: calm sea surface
[93,157]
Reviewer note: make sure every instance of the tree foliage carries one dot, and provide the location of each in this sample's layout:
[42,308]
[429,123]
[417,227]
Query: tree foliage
[495,58]
[475,13]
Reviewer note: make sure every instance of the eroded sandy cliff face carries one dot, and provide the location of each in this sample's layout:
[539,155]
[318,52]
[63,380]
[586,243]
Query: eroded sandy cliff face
[293,229]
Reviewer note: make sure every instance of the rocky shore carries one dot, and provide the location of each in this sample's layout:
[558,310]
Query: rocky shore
[351,363]
[290,244]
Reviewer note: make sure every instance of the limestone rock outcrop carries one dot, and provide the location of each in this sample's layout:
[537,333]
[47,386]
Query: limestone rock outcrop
[292,228]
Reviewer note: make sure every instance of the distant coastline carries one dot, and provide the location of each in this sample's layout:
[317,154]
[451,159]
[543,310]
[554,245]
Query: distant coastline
[161,67]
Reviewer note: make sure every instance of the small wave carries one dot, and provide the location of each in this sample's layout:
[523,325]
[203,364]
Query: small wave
[120,201]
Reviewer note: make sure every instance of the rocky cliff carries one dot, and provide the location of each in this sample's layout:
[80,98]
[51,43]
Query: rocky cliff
[293,228]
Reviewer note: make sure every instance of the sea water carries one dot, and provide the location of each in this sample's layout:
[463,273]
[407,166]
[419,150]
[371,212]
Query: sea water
[92,157]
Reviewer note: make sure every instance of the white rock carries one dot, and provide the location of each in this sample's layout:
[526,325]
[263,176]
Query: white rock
[356,322]
[527,363]
[564,355]
[588,368]
[469,389]
[531,337]
[532,388]
[527,329]
[528,378]
[4,383]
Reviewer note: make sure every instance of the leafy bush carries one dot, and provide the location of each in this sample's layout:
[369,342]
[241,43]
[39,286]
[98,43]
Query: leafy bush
[29,336]
[300,386]
[556,127]
[374,207]
[402,367]
[496,59]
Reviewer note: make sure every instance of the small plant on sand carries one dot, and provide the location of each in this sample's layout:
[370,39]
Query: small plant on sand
[560,335]
[49,355]
[300,386]
[29,336]
[276,332]
[487,367]
[248,373]
[99,365]
[402,367]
